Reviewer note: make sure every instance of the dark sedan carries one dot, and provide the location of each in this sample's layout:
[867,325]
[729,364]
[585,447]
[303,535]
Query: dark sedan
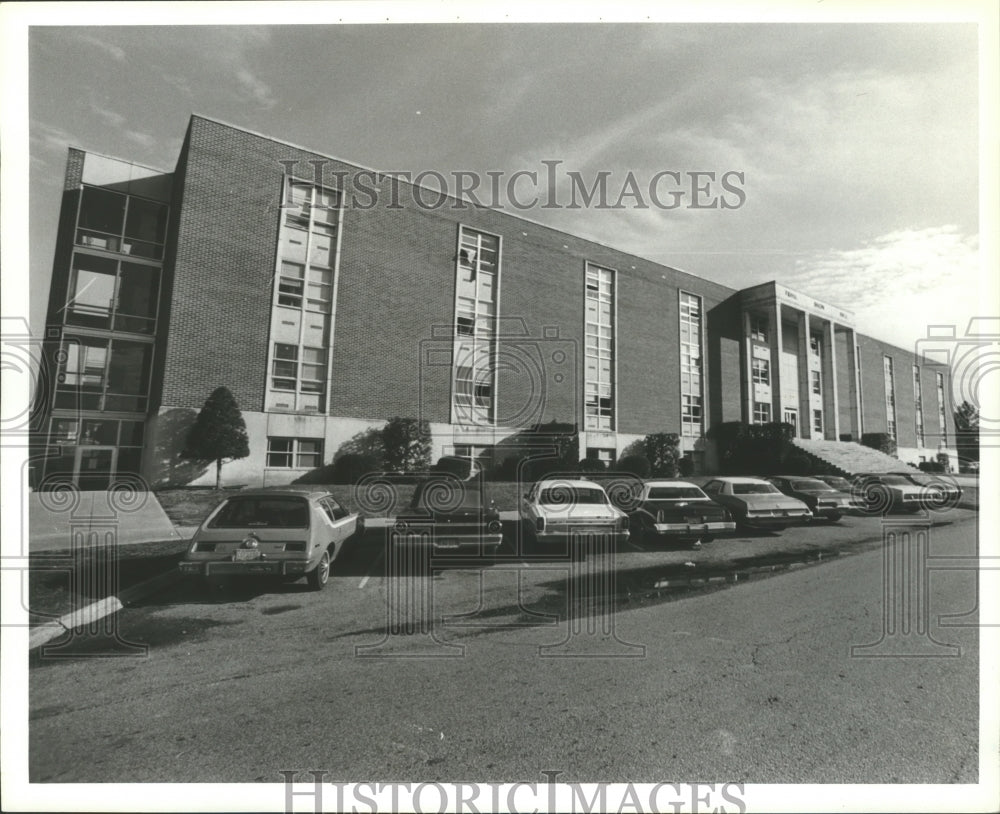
[821,498]
[449,514]
[679,511]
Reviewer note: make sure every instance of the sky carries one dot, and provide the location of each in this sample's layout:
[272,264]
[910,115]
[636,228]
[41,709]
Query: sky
[857,143]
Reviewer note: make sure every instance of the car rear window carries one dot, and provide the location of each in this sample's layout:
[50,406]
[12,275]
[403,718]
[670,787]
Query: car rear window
[812,486]
[263,512]
[674,493]
[839,483]
[566,495]
[894,480]
[753,489]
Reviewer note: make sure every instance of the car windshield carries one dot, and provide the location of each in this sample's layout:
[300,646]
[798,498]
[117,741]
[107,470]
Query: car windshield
[675,493]
[447,494]
[263,512]
[894,480]
[925,480]
[754,489]
[565,495]
[811,486]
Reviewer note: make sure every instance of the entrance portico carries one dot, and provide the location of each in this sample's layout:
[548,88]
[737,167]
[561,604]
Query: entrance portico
[789,358]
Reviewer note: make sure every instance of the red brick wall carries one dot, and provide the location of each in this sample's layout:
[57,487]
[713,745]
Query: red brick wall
[397,281]
[872,352]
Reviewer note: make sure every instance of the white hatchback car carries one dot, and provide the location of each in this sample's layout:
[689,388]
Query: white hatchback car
[281,532]
[569,509]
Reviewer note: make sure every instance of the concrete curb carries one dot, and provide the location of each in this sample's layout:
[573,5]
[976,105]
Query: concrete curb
[94,612]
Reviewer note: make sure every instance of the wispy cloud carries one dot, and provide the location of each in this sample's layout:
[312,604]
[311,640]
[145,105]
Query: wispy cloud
[887,281]
[47,137]
[255,89]
[142,139]
[116,53]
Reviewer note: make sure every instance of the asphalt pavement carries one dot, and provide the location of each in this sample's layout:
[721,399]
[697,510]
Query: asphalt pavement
[520,669]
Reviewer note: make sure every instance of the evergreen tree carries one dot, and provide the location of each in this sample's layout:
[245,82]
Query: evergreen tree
[219,432]
[967,431]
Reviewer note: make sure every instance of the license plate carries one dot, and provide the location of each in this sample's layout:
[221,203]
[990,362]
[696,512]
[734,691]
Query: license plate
[693,520]
[243,554]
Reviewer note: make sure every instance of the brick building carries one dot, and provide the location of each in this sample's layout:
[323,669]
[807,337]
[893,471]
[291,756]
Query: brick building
[274,270]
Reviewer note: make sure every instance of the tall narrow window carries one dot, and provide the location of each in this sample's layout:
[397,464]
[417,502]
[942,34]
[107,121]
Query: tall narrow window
[918,407]
[599,352]
[758,328]
[477,272]
[890,396]
[692,395]
[942,424]
[303,298]
[761,371]
[815,382]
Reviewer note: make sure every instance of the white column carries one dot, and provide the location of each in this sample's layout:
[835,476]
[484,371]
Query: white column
[805,411]
[852,391]
[746,376]
[775,334]
[831,406]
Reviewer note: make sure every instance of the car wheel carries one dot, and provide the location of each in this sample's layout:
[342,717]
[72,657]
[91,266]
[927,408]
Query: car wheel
[834,517]
[320,575]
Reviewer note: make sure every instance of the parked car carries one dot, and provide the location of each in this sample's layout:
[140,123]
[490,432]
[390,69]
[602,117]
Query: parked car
[821,498]
[885,492]
[938,491]
[282,532]
[447,513]
[679,511]
[837,482]
[755,503]
[563,510]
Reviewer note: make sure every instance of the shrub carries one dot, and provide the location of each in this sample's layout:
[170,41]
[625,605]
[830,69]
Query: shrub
[662,452]
[881,441]
[752,449]
[219,432]
[591,465]
[406,444]
[637,465]
[453,465]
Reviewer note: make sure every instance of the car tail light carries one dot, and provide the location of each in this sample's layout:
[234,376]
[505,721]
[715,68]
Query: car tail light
[659,516]
[495,526]
[540,524]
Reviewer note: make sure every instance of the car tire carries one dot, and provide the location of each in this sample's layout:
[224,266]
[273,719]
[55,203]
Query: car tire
[320,575]
[834,517]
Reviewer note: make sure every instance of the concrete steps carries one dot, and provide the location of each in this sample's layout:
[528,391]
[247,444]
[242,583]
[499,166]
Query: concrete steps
[849,458]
